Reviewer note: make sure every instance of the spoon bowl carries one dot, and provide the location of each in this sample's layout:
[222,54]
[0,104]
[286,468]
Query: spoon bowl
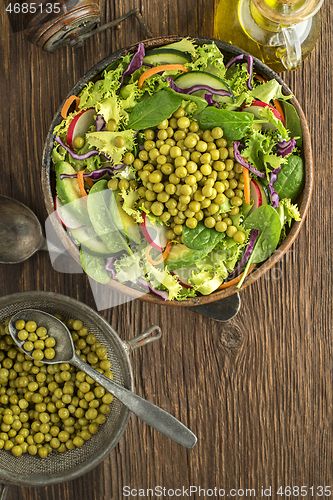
[64,348]
[21,234]
[65,353]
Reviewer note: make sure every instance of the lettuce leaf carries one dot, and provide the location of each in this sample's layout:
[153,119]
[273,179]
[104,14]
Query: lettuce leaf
[185,45]
[91,95]
[206,282]
[109,108]
[129,268]
[130,197]
[208,58]
[163,277]
[95,93]
[259,151]
[238,83]
[267,113]
[90,164]
[58,153]
[267,91]
[130,95]
[104,142]
[186,293]
[291,211]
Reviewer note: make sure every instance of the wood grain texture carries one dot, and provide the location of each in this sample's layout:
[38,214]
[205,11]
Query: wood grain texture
[256,391]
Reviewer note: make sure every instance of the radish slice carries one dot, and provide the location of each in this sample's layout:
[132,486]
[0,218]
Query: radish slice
[184,274]
[255,193]
[80,125]
[65,217]
[155,235]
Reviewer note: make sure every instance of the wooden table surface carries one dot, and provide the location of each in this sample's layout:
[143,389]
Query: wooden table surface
[257,391]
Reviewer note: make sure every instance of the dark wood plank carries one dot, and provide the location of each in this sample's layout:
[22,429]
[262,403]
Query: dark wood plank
[257,391]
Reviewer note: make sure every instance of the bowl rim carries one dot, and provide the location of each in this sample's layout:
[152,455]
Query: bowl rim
[305,196]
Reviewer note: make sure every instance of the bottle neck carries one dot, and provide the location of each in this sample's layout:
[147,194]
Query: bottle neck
[286,12]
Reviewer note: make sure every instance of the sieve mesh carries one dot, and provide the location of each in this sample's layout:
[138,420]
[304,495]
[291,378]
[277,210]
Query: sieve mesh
[57,467]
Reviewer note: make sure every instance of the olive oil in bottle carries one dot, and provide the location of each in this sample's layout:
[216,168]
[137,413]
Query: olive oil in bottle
[281,33]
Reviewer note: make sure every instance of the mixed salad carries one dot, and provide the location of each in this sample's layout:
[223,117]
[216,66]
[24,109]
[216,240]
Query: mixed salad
[178,171]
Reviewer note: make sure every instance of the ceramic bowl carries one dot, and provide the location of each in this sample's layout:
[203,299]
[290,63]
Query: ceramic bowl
[229,51]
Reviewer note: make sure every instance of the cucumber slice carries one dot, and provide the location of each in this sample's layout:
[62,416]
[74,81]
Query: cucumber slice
[102,220]
[192,78]
[124,222]
[87,238]
[69,192]
[166,56]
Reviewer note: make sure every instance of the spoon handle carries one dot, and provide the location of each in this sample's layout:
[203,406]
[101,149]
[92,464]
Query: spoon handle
[153,415]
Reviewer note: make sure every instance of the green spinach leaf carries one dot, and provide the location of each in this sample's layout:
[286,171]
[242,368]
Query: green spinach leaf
[293,123]
[290,179]
[153,110]
[94,267]
[201,237]
[199,101]
[267,220]
[234,124]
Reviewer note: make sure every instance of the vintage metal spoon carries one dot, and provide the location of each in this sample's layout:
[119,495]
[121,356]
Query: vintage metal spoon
[65,353]
[21,233]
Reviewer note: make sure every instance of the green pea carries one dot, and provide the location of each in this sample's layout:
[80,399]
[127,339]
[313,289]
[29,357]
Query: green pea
[28,346]
[236,201]
[191,222]
[78,142]
[239,237]
[20,324]
[157,208]
[217,133]
[113,184]
[221,226]
[30,326]
[111,125]
[209,222]
[129,158]
[231,231]
[38,354]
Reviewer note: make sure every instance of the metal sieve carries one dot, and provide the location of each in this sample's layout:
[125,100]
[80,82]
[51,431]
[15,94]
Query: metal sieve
[28,470]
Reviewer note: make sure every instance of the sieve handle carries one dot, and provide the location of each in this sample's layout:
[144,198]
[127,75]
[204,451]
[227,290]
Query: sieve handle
[153,415]
[145,338]
[3,491]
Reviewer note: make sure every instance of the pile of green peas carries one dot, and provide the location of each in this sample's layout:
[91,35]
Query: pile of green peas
[187,174]
[36,340]
[45,408]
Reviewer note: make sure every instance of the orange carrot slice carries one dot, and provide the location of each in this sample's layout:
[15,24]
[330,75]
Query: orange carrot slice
[247,195]
[235,280]
[89,181]
[158,69]
[278,107]
[67,104]
[163,257]
[81,182]
[260,78]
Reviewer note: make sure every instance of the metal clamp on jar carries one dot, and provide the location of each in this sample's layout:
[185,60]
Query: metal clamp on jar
[69,23]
